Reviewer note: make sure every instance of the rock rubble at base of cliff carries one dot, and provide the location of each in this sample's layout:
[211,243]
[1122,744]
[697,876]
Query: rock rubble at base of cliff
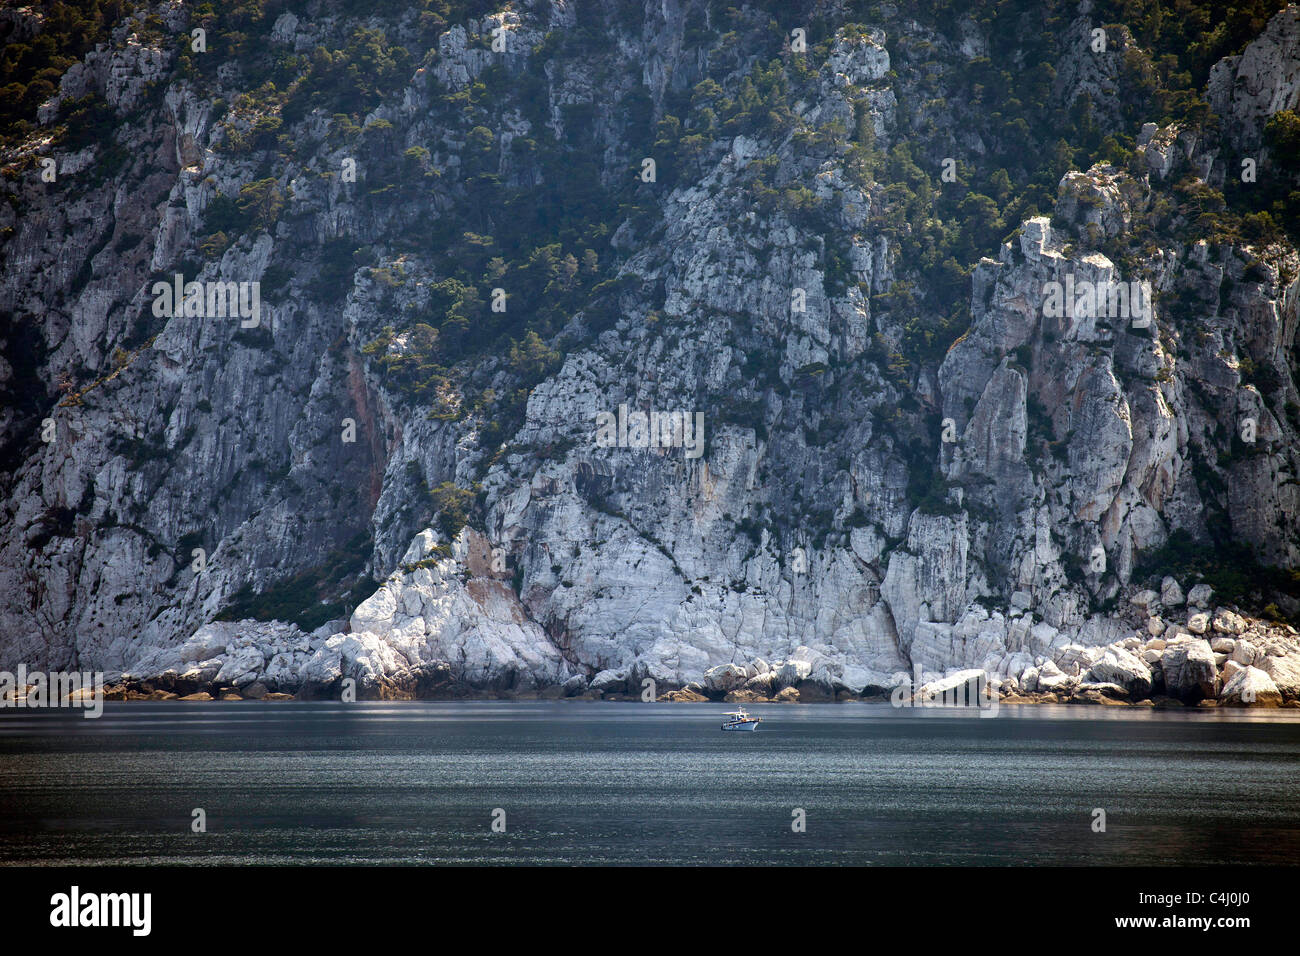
[443,627]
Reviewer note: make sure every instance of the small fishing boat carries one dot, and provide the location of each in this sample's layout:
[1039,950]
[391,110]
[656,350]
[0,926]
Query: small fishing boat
[739,720]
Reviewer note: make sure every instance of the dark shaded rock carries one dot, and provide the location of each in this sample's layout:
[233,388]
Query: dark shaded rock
[812,692]
[1191,672]
[574,685]
[763,685]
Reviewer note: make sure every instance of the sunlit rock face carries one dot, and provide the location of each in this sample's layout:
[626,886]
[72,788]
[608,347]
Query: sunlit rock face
[1246,90]
[815,507]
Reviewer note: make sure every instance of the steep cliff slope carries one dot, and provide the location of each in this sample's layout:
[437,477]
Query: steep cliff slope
[818,240]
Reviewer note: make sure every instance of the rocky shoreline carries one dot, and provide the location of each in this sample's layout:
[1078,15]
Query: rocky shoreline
[1162,648]
[1216,658]
[1099,695]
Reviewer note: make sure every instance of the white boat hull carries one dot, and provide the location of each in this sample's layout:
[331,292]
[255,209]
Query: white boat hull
[746,725]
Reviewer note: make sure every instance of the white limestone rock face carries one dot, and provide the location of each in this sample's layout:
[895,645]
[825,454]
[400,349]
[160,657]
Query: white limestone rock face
[1285,673]
[860,60]
[1246,90]
[1251,687]
[241,650]
[791,673]
[442,611]
[1119,666]
[435,615]
[966,688]
[976,638]
[1052,680]
[1145,600]
[1228,622]
[927,581]
[122,73]
[1245,652]
[1171,595]
[725,677]
[1190,670]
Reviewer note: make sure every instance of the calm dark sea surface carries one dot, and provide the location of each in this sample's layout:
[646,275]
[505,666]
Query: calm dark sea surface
[638,783]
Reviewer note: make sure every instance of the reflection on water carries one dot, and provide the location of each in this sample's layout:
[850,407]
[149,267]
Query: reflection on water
[418,782]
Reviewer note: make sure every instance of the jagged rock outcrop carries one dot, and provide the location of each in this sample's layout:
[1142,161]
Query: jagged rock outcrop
[1189,669]
[1122,667]
[1251,687]
[1264,79]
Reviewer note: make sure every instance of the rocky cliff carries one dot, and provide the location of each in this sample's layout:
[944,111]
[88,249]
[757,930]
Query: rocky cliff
[735,348]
